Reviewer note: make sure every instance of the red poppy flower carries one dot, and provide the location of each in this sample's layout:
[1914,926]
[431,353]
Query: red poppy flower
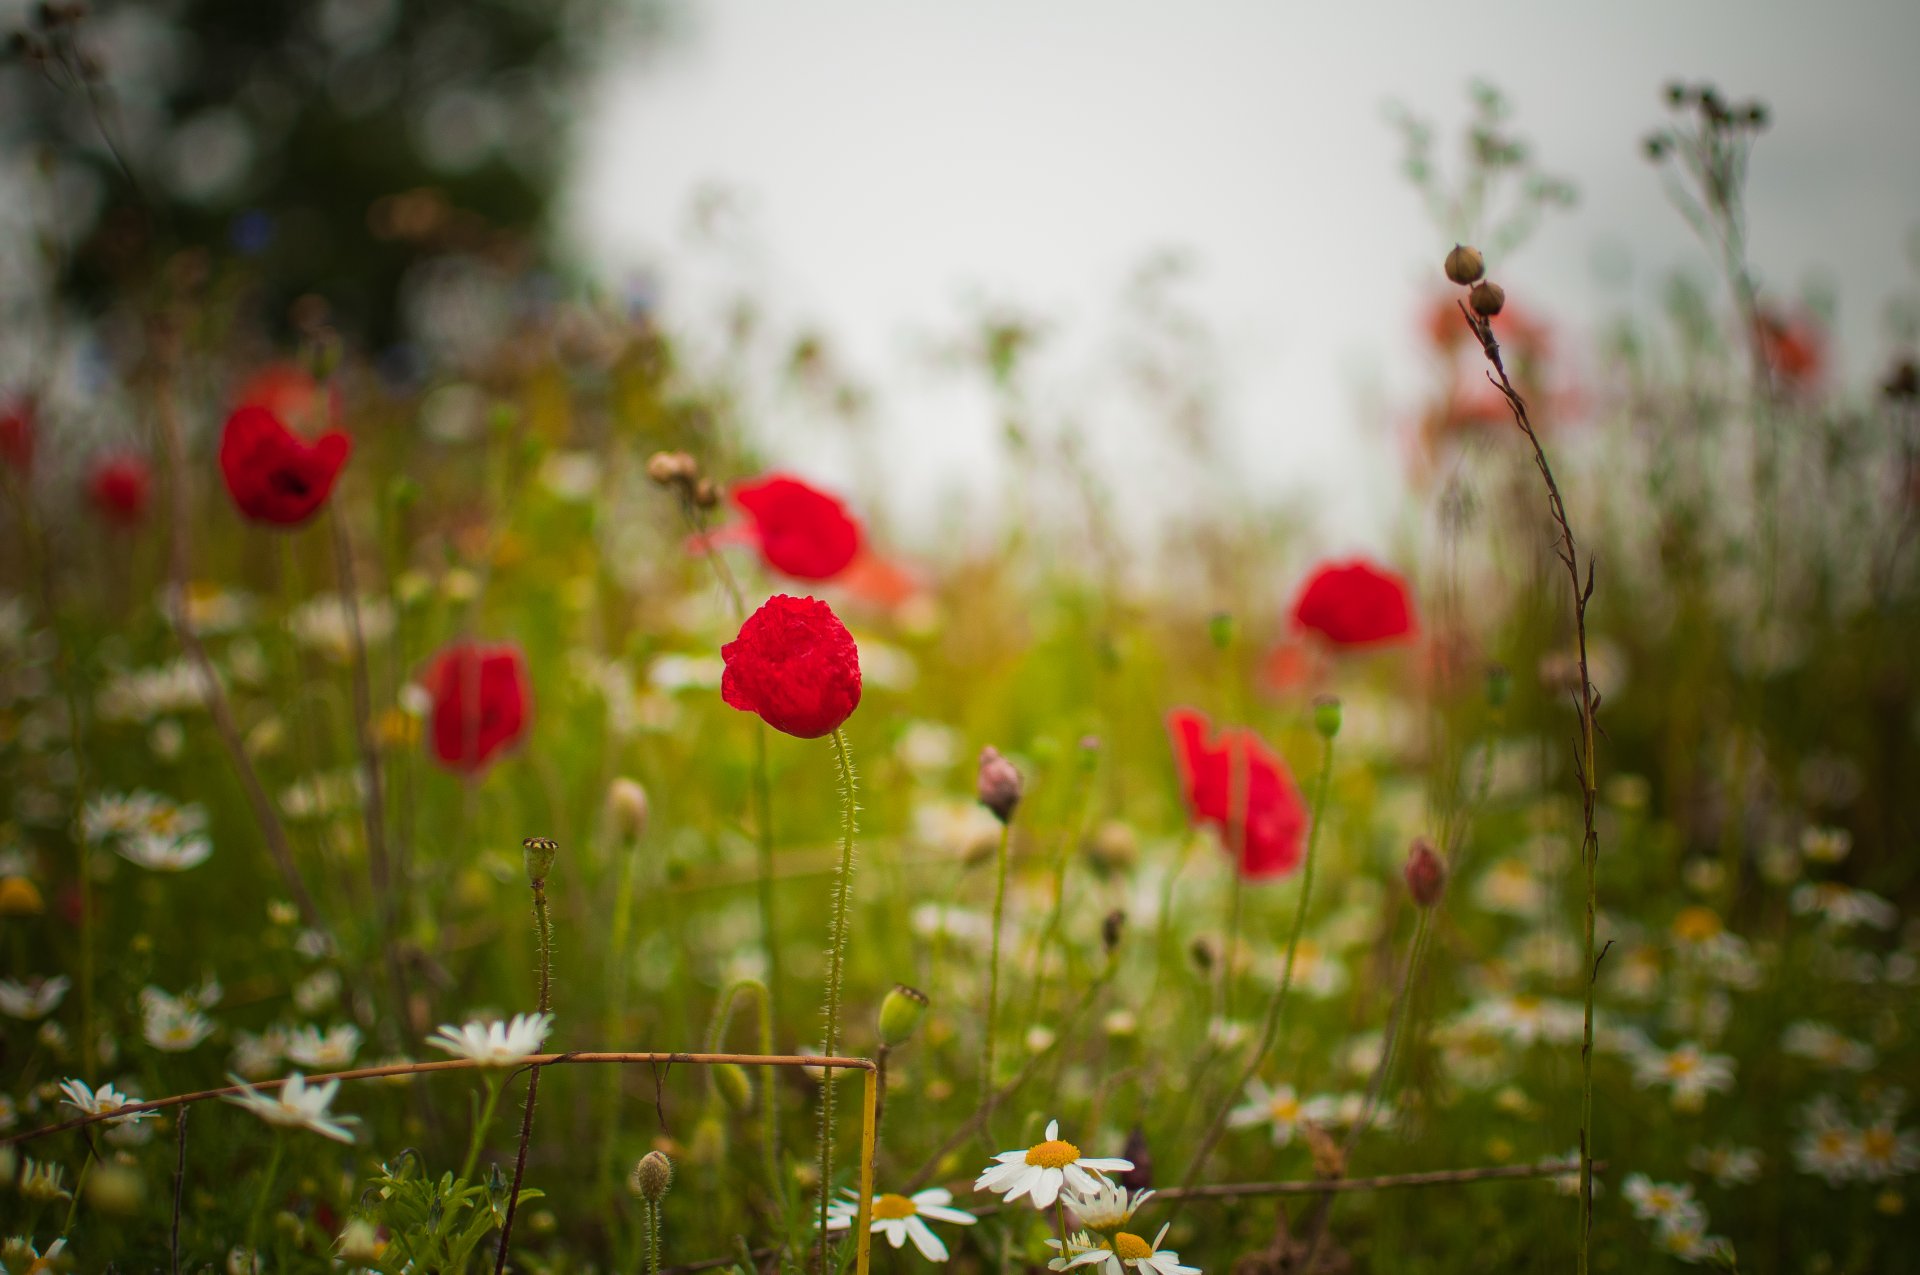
[121,487]
[802,532]
[1794,349]
[285,389]
[1237,769]
[272,473]
[481,703]
[1354,604]
[16,434]
[795,665]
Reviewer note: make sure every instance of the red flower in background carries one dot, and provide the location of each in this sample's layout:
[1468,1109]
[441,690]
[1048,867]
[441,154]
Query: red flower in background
[1238,769]
[1354,604]
[272,473]
[285,389]
[481,703]
[16,433]
[802,532]
[795,665]
[1794,348]
[121,487]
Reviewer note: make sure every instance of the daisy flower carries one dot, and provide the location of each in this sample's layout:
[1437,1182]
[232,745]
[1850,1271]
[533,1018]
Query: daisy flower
[1040,1171]
[172,1026]
[901,1218]
[1280,1108]
[1665,1204]
[1830,1146]
[1123,1253]
[1842,906]
[159,852]
[1688,1070]
[1883,1151]
[1108,1207]
[33,999]
[297,1105]
[1728,1165]
[1829,1048]
[19,1254]
[495,1044]
[99,1102]
[1691,1244]
[328,1051]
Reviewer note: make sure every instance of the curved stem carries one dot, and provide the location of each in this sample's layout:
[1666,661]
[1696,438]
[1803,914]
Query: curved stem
[993,964]
[836,969]
[481,1125]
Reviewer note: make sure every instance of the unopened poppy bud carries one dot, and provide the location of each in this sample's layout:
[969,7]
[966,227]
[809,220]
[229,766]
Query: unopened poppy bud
[1426,875]
[1220,629]
[998,785]
[900,1015]
[705,494]
[1465,265]
[1486,298]
[731,1080]
[1110,929]
[541,852]
[1326,716]
[1202,954]
[627,808]
[651,1177]
[1499,686]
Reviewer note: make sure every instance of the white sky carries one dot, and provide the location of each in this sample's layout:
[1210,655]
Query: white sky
[898,159]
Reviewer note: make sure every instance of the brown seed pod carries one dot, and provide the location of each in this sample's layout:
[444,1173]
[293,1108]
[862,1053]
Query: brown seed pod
[1465,265]
[1486,298]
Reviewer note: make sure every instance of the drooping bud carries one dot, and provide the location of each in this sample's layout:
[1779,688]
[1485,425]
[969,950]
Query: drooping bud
[1465,265]
[999,784]
[1326,716]
[731,1080]
[1426,875]
[651,1177]
[541,852]
[1111,928]
[900,1015]
[1486,298]
[627,808]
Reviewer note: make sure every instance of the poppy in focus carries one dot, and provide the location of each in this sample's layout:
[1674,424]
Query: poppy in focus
[121,488]
[802,531]
[272,473]
[481,703]
[1354,604]
[1233,770]
[795,665]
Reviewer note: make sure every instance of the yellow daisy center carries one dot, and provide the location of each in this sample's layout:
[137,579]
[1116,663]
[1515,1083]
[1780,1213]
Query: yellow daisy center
[1053,1155]
[1832,1142]
[1130,1247]
[1696,924]
[1682,1065]
[1284,1109]
[894,1206]
[1877,1144]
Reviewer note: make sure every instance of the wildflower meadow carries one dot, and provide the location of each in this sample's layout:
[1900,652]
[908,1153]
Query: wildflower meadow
[494,815]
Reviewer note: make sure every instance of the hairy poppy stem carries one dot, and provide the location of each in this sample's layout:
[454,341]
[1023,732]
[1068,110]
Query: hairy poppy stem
[1277,1005]
[993,964]
[836,970]
[543,926]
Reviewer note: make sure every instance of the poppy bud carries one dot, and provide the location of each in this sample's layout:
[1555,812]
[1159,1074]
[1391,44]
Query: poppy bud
[1111,927]
[1326,716]
[705,494]
[900,1014]
[541,852]
[731,1080]
[998,785]
[651,1177]
[1487,298]
[1465,265]
[1202,954]
[627,808]
[1426,875]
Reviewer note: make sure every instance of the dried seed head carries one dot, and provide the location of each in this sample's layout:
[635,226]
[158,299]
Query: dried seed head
[1486,298]
[1326,716]
[1426,875]
[1111,928]
[998,785]
[900,1015]
[1329,1158]
[1465,265]
[627,808]
[651,1177]
[541,852]
[667,468]
[705,494]
[1903,383]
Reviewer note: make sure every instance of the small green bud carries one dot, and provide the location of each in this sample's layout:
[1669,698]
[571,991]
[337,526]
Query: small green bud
[1326,716]
[651,1177]
[1499,686]
[541,852]
[627,808]
[900,1015]
[1220,629]
[731,1080]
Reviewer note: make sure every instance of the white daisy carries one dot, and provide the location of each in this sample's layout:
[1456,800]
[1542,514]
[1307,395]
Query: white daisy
[328,1051]
[1108,1207]
[172,1026]
[1042,1170]
[1691,1072]
[899,1218]
[1279,1108]
[159,852]
[1665,1204]
[1826,1046]
[33,999]
[1830,1146]
[105,1100]
[19,1254]
[1840,905]
[495,1044]
[1690,1243]
[1122,1253]
[1525,1019]
[1728,1165]
[296,1106]
[1883,1151]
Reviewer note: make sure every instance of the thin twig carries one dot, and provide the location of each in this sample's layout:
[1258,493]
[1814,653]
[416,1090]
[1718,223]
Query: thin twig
[179,1183]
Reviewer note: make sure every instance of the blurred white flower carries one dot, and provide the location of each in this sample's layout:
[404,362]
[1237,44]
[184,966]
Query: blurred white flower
[1690,1072]
[331,1050]
[34,999]
[1825,1045]
[297,1105]
[1842,906]
[495,1044]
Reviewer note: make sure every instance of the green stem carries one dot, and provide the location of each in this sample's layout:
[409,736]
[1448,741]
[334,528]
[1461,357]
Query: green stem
[1240,782]
[1275,1007]
[836,969]
[653,1237]
[79,1186]
[993,964]
[480,1126]
[266,1191]
[763,819]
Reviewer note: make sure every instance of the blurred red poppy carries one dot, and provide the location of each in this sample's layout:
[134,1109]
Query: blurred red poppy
[1794,347]
[121,487]
[1233,771]
[272,473]
[802,532]
[1354,604]
[481,704]
[285,389]
[795,665]
[17,433]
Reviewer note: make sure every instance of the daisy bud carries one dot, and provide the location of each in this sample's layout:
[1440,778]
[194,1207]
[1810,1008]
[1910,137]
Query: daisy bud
[627,808]
[1326,716]
[651,1177]
[1465,265]
[1426,875]
[1487,298]
[999,784]
[731,1080]
[1111,928]
[900,1015]
[541,852]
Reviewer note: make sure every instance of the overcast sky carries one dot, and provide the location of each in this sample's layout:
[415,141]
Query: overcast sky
[895,160]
